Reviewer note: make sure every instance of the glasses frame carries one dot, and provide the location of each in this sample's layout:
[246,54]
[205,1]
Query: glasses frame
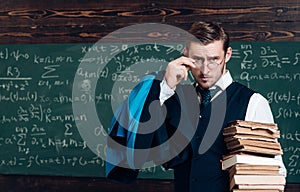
[210,65]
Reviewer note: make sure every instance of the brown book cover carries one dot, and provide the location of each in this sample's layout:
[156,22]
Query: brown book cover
[253,125]
[256,167]
[234,130]
[245,169]
[254,149]
[263,144]
[249,137]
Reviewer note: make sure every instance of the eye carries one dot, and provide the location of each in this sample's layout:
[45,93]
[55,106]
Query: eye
[214,59]
[198,59]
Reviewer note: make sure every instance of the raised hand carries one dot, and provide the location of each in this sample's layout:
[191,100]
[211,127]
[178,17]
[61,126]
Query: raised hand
[177,70]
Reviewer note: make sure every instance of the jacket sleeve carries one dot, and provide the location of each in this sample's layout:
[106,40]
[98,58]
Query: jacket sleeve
[123,135]
[142,123]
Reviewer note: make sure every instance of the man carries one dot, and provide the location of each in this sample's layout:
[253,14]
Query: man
[209,105]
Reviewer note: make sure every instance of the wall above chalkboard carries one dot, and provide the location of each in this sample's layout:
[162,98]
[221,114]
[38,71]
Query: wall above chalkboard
[39,134]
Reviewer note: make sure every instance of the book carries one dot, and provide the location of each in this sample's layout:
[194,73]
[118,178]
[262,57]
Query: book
[255,190]
[234,130]
[251,159]
[255,149]
[264,144]
[257,180]
[231,160]
[254,125]
[254,169]
[261,187]
[249,137]
[265,147]
[246,169]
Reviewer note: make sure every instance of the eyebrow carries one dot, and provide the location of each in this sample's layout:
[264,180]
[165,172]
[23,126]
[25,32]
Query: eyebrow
[197,57]
[208,57]
[213,57]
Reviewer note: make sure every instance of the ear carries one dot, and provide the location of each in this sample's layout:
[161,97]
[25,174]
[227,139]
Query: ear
[228,54]
[185,52]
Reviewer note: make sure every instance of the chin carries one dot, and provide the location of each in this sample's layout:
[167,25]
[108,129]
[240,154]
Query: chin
[205,85]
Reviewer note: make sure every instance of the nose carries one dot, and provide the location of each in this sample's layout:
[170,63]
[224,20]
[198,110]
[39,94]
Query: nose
[204,69]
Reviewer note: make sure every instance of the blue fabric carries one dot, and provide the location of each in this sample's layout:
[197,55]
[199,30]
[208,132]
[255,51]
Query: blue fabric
[127,116]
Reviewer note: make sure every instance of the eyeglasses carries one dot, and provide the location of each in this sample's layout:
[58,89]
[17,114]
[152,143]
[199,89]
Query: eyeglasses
[210,64]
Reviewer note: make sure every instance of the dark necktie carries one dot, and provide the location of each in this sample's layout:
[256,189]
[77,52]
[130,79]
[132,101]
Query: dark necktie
[205,96]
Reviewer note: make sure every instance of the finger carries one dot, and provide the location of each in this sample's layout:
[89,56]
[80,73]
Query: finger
[184,70]
[186,75]
[186,61]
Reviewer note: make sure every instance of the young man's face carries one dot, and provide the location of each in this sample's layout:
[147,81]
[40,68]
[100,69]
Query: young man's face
[210,61]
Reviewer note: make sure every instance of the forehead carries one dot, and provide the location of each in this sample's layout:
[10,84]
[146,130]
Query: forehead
[212,49]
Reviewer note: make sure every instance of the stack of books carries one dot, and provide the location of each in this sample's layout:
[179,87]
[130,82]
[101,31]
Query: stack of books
[251,164]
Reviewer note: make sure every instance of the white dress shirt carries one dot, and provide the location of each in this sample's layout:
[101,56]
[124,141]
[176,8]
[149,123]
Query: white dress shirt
[258,107]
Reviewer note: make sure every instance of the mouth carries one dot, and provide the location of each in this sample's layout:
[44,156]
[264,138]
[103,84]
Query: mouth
[204,78]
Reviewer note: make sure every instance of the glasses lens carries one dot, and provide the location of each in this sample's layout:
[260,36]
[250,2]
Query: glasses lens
[210,65]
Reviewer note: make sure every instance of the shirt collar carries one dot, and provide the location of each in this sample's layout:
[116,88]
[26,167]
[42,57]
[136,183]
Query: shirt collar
[224,81]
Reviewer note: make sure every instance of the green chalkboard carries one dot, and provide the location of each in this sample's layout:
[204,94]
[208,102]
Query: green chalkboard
[57,100]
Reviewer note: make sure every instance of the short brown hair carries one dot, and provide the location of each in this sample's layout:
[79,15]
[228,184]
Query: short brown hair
[208,32]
